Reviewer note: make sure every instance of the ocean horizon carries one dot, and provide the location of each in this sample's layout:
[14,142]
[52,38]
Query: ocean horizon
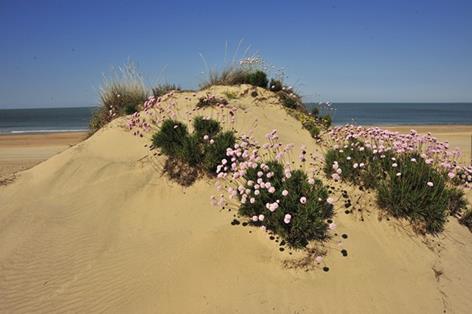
[74,119]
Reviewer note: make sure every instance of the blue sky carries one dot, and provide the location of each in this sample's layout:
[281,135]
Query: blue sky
[53,53]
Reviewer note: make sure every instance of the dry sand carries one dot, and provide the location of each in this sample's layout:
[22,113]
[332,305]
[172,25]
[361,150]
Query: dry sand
[22,151]
[98,228]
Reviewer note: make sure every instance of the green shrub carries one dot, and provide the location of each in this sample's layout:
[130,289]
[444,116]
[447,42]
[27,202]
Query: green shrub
[457,202]
[214,153]
[312,127]
[162,89]
[307,220]
[130,109]
[358,164]
[288,100]
[416,191]
[258,78]
[204,127]
[275,85]
[191,153]
[326,120]
[171,137]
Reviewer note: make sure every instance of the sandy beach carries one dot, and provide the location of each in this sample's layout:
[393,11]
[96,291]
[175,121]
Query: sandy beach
[22,151]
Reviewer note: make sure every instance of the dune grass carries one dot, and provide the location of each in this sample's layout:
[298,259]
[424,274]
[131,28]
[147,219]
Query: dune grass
[120,94]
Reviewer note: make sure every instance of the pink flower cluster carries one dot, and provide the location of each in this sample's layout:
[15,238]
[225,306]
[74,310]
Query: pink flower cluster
[380,141]
[246,155]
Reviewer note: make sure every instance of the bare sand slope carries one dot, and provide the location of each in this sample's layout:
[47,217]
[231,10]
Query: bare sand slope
[97,228]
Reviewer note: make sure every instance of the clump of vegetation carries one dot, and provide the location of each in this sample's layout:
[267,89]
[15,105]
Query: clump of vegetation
[229,76]
[358,164]
[297,209]
[308,122]
[466,219]
[275,85]
[416,191]
[324,118]
[162,89]
[407,186]
[192,154]
[289,100]
[211,100]
[257,78]
[121,94]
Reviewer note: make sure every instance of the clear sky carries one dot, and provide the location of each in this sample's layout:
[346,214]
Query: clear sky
[53,53]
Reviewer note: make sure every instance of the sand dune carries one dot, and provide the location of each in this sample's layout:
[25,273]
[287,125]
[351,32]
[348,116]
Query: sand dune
[99,228]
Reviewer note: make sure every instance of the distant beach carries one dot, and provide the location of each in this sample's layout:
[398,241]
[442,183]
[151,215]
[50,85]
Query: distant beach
[46,120]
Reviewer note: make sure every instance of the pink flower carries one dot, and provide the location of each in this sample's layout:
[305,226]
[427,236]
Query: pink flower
[287,218]
[451,175]
[330,200]
[319,259]
[255,218]
[206,137]
[332,226]
[284,192]
[261,217]
[252,200]
[271,189]
[399,174]
[303,200]
[430,184]
[355,165]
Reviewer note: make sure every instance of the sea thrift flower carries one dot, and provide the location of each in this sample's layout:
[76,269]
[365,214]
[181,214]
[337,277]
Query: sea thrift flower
[255,218]
[394,165]
[303,200]
[261,217]
[430,184]
[284,192]
[287,218]
[332,226]
[319,259]
[330,200]
[399,174]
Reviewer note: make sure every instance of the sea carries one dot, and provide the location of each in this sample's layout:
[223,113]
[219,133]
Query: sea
[15,121]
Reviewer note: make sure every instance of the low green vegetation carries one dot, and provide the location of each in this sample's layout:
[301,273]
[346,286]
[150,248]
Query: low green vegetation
[466,219]
[298,210]
[308,122]
[192,153]
[407,186]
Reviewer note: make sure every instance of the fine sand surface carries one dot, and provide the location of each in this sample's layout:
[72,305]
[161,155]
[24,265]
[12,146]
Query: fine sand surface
[98,228]
[22,151]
